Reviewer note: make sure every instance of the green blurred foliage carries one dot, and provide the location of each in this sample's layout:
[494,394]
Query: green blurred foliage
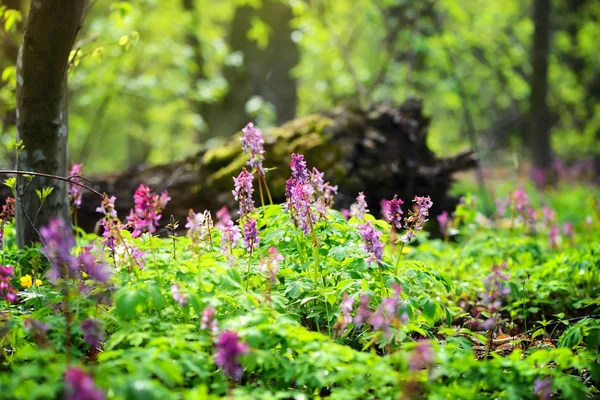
[136,83]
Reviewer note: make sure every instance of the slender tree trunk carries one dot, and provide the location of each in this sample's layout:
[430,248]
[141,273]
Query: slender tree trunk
[539,132]
[42,124]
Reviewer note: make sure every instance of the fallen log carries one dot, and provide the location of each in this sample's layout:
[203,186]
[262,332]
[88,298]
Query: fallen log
[381,151]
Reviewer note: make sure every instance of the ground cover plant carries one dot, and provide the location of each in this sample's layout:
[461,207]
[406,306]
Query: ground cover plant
[299,300]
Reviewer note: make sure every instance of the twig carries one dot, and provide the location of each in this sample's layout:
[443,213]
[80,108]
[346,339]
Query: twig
[60,178]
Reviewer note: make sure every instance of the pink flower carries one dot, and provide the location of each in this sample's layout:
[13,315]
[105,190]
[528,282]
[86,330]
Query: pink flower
[80,386]
[147,211]
[359,209]
[253,144]
[443,220]
[75,191]
[371,242]
[179,297]
[243,192]
[228,350]
[392,212]
[251,237]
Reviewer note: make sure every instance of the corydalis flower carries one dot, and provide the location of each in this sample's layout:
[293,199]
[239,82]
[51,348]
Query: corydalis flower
[569,231]
[345,317]
[243,192]
[299,205]
[75,191]
[359,209]
[415,220]
[371,242]
[387,312]
[80,386]
[93,266]
[253,144]
[6,216]
[443,219]
[271,264]
[230,235]
[147,210]
[199,225]
[392,212]
[223,217]
[496,287]
[93,334]
[208,321]
[179,297]
[363,312]
[227,354]
[422,356]
[107,207]
[553,236]
[543,388]
[58,243]
[299,173]
[6,290]
[251,237]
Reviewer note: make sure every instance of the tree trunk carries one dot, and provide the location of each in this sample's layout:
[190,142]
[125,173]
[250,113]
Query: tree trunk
[539,132]
[42,125]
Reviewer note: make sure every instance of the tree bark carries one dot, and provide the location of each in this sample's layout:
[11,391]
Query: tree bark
[539,132]
[42,125]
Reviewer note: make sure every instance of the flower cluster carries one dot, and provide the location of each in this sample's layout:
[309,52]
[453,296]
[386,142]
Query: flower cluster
[179,297]
[27,281]
[93,334]
[223,217]
[345,317]
[443,219]
[271,264]
[107,207]
[230,235]
[81,386]
[243,192]
[496,287]
[371,242]
[6,290]
[359,209]
[518,204]
[227,353]
[543,388]
[253,144]
[75,191]
[147,210]
[6,216]
[392,212]
[251,237]
[299,173]
[93,266]
[208,321]
[37,330]
[58,243]
[299,205]
[422,356]
[199,225]
[415,220]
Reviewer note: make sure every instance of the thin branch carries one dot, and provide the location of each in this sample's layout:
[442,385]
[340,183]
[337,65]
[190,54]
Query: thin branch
[60,178]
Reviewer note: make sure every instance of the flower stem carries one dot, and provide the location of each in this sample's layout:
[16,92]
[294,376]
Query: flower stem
[267,188]
[249,260]
[262,199]
[398,259]
[383,288]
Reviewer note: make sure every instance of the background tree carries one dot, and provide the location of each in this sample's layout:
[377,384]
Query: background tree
[42,124]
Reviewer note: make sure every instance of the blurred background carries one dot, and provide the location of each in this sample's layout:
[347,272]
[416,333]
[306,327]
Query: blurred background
[154,81]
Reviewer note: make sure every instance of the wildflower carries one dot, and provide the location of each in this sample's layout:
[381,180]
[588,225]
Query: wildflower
[363,313]
[93,334]
[199,225]
[299,173]
[371,242]
[539,177]
[227,353]
[6,216]
[147,210]
[443,220]
[179,297]
[38,283]
[548,215]
[390,305]
[6,290]
[130,254]
[359,209]
[37,330]
[80,386]
[109,234]
[392,212]
[553,236]
[346,309]
[300,201]
[496,287]
[415,220]
[107,207]
[271,265]
[543,388]
[345,213]
[58,243]
[568,230]
[95,269]
[230,235]
[422,356]
[243,192]
[26,281]
[387,312]
[253,144]
[251,237]
[208,321]
[223,217]
[75,191]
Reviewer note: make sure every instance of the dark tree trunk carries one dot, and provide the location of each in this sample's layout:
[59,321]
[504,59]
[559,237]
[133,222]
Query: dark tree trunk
[42,124]
[539,132]
[265,72]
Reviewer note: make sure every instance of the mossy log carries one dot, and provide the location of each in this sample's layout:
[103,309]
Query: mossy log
[381,152]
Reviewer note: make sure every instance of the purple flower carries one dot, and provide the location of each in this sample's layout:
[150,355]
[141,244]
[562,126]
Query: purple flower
[253,144]
[415,220]
[58,243]
[392,212]
[96,270]
[208,320]
[147,210]
[359,209]
[75,191]
[107,207]
[387,312]
[93,334]
[496,287]
[243,192]
[199,225]
[109,234]
[6,290]
[139,257]
[371,242]
[37,329]
[6,216]
[230,235]
[271,265]
[80,386]
[346,213]
[553,236]
[543,388]
[345,317]
[251,237]
[299,173]
[227,353]
[569,231]
[179,297]
[363,312]
[443,220]
[422,356]
[223,217]
[299,205]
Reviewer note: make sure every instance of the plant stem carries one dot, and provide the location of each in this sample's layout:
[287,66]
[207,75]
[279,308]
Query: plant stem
[398,259]
[249,260]
[262,199]
[267,188]
[383,288]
